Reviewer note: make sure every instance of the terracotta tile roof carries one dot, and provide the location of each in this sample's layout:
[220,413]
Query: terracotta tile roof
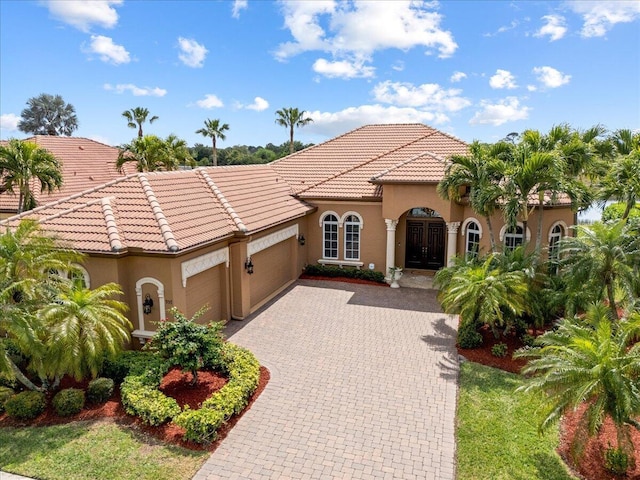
[170,211]
[406,153]
[85,164]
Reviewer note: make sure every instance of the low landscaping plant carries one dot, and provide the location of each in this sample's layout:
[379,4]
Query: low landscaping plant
[26,405]
[499,350]
[100,390]
[68,402]
[616,460]
[147,401]
[135,362]
[468,335]
[5,393]
[335,271]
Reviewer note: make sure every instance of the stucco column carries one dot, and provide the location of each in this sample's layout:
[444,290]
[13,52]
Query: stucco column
[391,246]
[452,230]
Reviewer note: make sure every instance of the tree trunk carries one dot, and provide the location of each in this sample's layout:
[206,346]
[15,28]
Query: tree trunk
[492,237]
[22,378]
[139,130]
[612,300]
[627,211]
[214,154]
[291,140]
[539,231]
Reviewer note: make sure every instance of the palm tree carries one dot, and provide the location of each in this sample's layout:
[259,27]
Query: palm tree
[213,129]
[85,326]
[590,361]
[480,172]
[483,293]
[600,258]
[27,258]
[178,152]
[151,153]
[622,182]
[48,115]
[136,117]
[291,118]
[23,162]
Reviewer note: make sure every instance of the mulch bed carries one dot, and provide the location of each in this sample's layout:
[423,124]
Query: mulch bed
[175,383]
[591,465]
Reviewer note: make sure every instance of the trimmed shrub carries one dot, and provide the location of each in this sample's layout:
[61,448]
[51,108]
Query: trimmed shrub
[616,460]
[499,350]
[25,405]
[5,393]
[335,271]
[528,340]
[244,375]
[468,336]
[68,402]
[100,390]
[146,401]
[134,362]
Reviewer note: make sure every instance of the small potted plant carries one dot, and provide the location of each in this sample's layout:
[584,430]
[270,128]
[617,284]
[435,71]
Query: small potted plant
[395,274]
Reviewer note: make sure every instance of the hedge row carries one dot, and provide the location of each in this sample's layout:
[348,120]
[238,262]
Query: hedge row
[141,397]
[334,271]
[244,374]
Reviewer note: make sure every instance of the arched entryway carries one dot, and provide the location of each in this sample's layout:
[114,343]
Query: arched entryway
[425,239]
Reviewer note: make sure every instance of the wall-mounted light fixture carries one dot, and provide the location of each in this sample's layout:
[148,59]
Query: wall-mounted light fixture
[301,239]
[147,304]
[248,265]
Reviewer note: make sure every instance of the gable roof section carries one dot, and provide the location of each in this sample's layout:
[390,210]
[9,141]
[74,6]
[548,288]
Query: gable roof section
[375,151]
[170,211]
[85,164]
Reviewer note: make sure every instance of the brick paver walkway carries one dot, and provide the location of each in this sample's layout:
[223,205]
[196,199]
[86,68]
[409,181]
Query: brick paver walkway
[363,386]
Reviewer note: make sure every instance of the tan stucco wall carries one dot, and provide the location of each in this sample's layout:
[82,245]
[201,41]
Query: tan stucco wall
[398,199]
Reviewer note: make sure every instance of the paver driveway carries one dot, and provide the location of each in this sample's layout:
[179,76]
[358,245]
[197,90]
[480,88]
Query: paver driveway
[363,385]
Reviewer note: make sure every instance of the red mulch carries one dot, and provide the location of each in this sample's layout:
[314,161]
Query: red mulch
[591,465]
[343,279]
[175,384]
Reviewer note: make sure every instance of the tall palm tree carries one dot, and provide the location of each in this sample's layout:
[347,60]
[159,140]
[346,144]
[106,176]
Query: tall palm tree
[48,115]
[590,361]
[84,326]
[292,118]
[600,258]
[622,181]
[22,163]
[136,117]
[27,258]
[483,293]
[480,172]
[151,153]
[215,130]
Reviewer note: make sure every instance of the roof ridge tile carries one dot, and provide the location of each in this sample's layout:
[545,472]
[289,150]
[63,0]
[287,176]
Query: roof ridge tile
[163,223]
[223,200]
[112,227]
[406,162]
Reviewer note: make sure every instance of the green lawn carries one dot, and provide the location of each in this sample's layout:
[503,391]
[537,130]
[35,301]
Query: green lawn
[497,430]
[91,450]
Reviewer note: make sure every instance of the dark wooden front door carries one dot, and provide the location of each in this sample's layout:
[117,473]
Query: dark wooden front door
[425,244]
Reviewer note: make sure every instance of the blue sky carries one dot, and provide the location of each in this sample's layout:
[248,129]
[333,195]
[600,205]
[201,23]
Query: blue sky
[475,69]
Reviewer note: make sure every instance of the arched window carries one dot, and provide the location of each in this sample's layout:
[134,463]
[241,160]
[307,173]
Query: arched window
[555,235]
[330,236]
[472,240]
[352,238]
[513,237]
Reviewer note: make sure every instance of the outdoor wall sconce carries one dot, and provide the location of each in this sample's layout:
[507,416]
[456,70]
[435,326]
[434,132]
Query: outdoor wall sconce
[248,266]
[147,304]
[301,239]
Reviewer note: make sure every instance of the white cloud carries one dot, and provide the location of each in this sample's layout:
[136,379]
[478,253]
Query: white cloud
[503,79]
[532,88]
[108,51]
[457,76]
[335,123]
[259,104]
[428,96]
[193,54]
[238,5]
[600,16]
[398,66]
[506,110]
[354,31]
[9,121]
[550,77]
[136,91]
[555,27]
[343,69]
[82,14]
[504,28]
[210,101]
